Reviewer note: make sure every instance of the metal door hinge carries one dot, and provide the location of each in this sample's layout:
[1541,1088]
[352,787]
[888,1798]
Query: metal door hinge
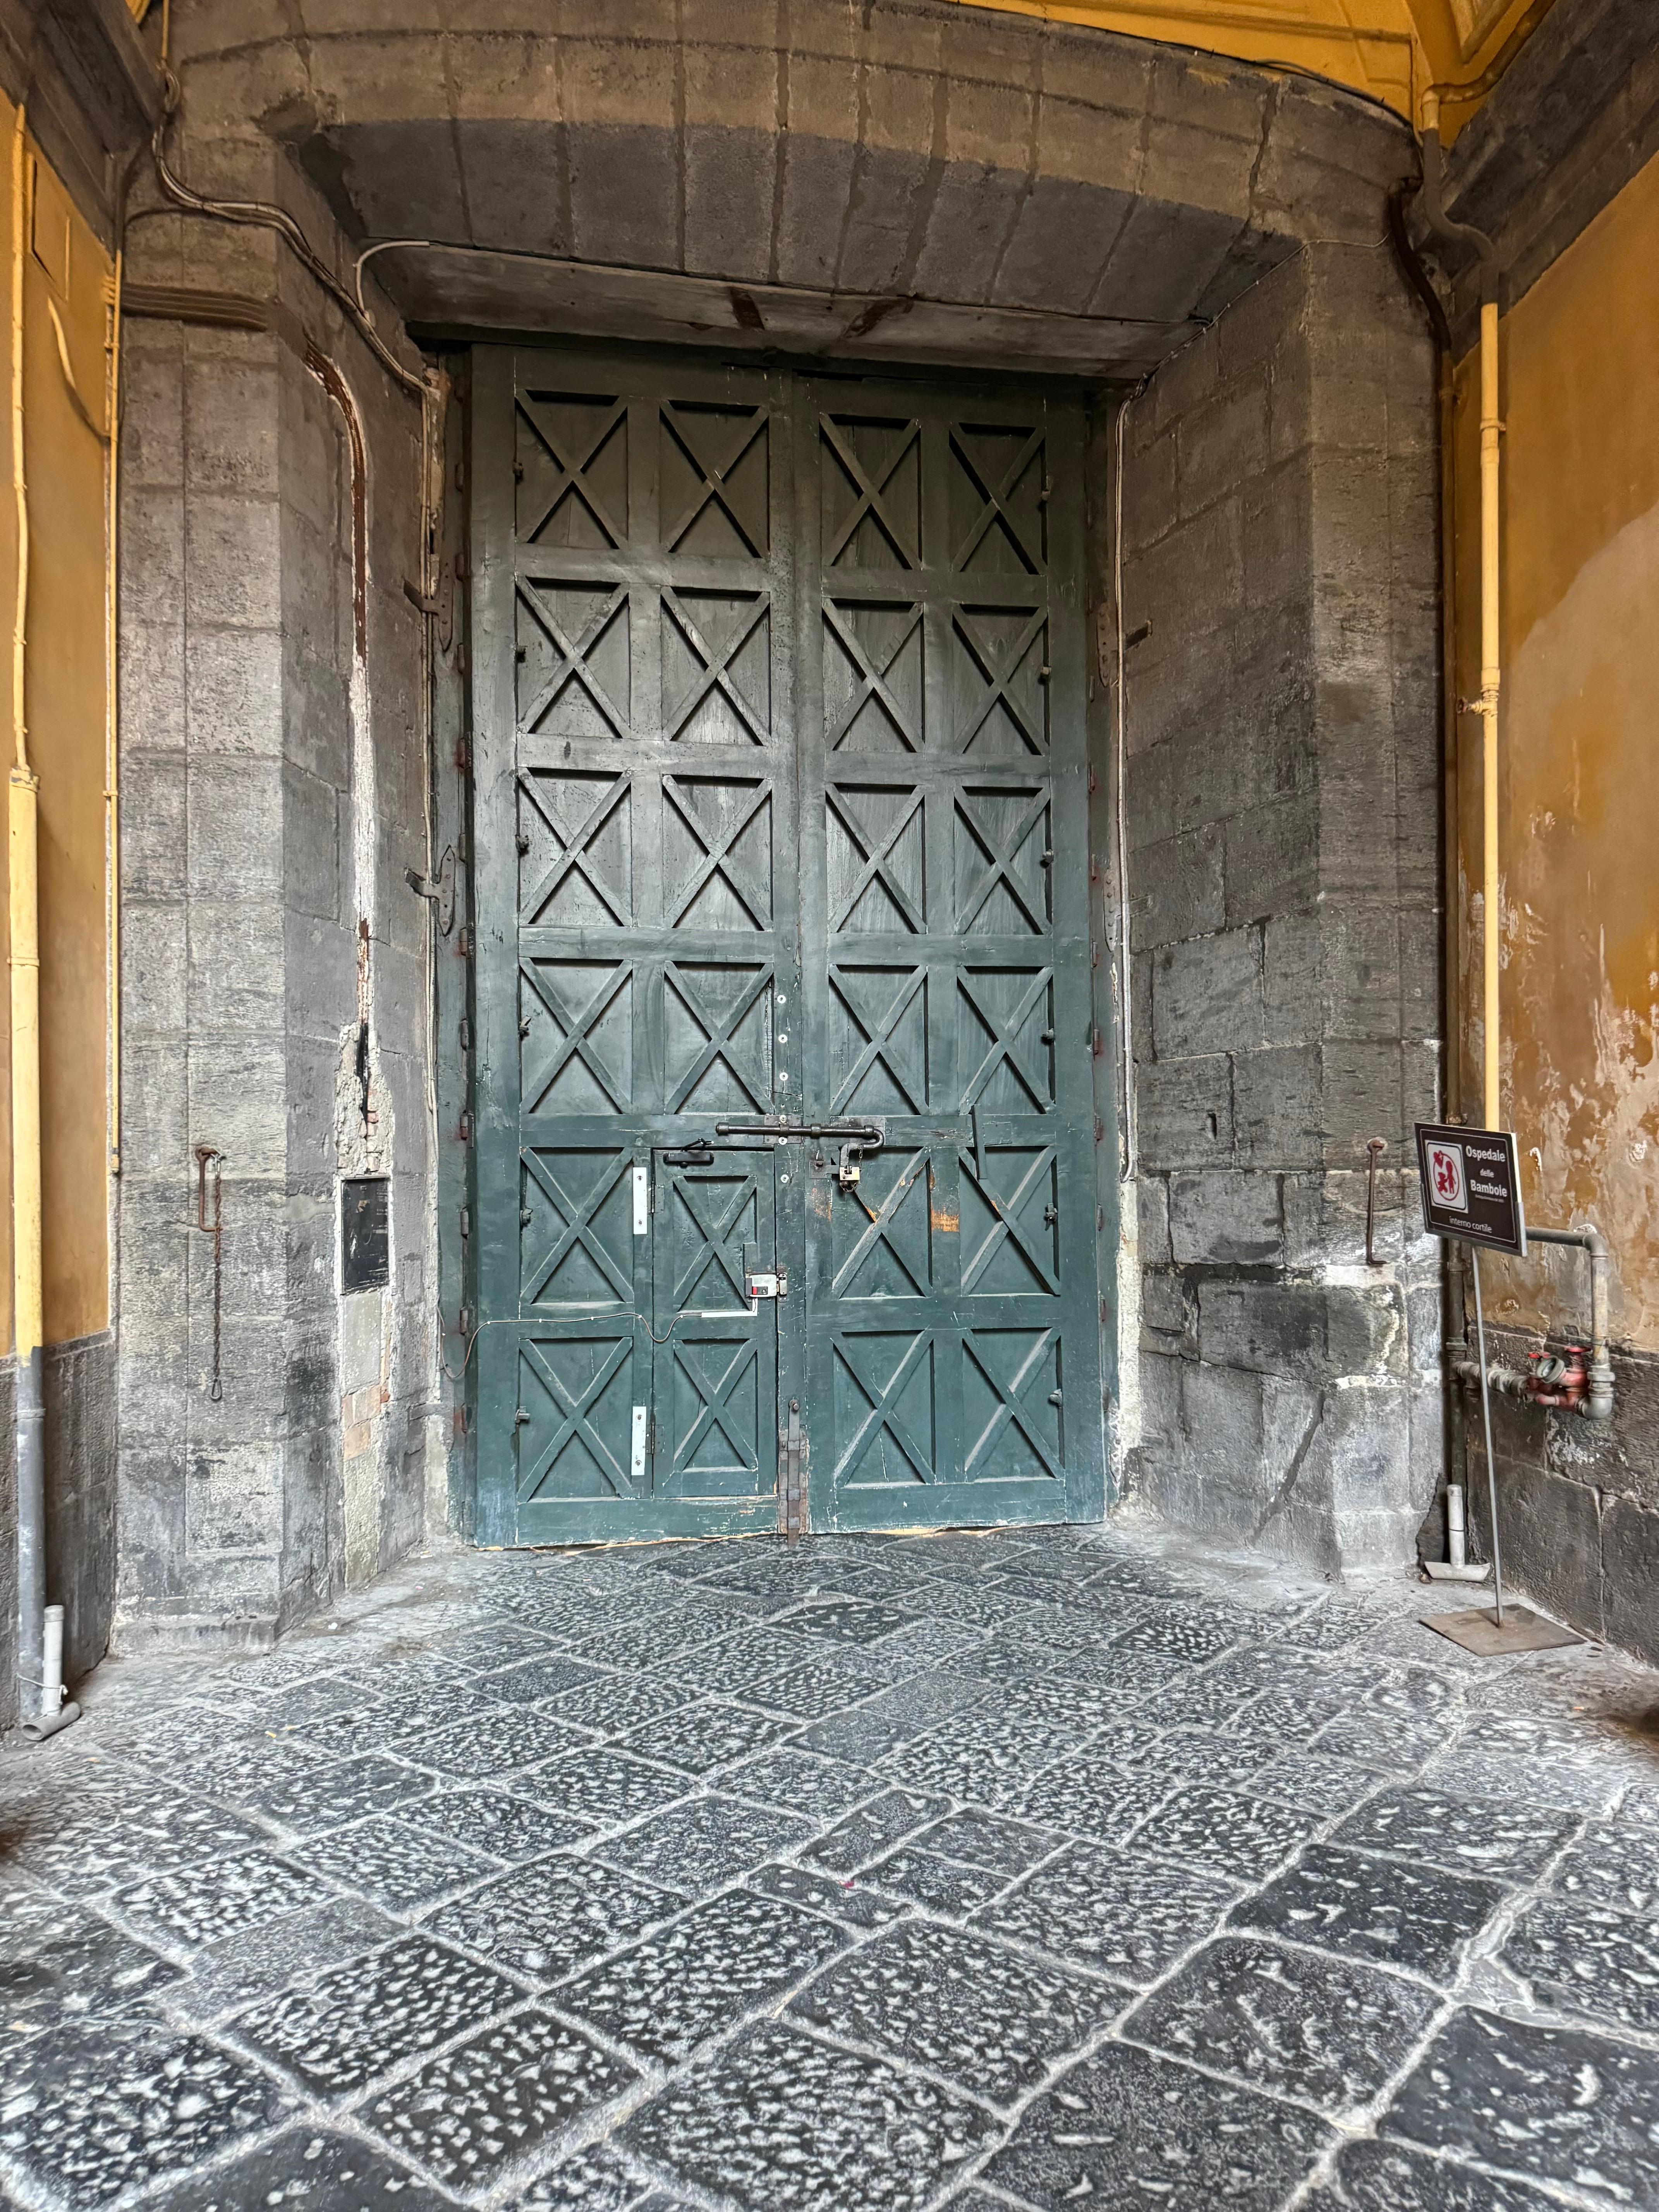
[640,1445]
[440,889]
[792,1476]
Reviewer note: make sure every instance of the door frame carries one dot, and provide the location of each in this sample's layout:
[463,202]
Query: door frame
[470,1373]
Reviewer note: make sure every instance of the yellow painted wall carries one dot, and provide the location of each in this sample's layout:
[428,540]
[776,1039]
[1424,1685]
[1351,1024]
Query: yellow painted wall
[1579,780]
[1392,50]
[66,679]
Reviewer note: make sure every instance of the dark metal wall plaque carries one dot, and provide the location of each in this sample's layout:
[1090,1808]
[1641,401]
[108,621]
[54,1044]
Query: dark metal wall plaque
[1472,1186]
[365,1233]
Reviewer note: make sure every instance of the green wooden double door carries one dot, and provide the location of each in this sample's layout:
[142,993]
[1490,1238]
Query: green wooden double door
[780,849]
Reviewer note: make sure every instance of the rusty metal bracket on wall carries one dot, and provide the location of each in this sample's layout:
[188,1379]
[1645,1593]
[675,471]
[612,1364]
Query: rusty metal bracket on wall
[440,889]
[1375,1148]
[216,1229]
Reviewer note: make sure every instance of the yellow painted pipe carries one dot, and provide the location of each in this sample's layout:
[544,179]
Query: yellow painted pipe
[1492,429]
[22,848]
[112,715]
[22,845]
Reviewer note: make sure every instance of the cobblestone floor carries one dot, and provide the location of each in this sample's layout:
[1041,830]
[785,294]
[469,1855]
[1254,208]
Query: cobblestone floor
[1051,1869]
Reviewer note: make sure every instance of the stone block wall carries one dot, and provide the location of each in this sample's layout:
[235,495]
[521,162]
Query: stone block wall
[79,1379]
[1281,636]
[1579,1501]
[255,837]
[7,1544]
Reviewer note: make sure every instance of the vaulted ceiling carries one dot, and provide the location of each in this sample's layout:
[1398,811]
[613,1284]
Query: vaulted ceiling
[1394,50]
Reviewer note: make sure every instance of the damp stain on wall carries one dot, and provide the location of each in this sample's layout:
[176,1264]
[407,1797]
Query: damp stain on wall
[1580,764]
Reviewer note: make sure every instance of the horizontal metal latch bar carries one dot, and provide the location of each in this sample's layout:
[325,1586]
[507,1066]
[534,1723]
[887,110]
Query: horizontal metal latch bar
[862,1133]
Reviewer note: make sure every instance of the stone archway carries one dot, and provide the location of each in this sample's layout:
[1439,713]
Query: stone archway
[903,181]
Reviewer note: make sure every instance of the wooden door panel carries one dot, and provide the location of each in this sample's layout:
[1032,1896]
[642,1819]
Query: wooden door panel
[633,789]
[945,962]
[779,817]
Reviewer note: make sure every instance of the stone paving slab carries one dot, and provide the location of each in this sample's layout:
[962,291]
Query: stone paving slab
[1320,2031]
[1183,2141]
[309,2170]
[993,1873]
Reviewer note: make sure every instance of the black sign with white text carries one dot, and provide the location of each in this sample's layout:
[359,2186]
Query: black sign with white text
[1472,1186]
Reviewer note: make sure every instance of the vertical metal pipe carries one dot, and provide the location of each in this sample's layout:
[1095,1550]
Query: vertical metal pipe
[1457,1551]
[22,841]
[1491,685]
[1126,981]
[1491,1460]
[112,711]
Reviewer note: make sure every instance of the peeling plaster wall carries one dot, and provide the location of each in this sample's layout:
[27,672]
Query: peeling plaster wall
[1579,797]
[1579,824]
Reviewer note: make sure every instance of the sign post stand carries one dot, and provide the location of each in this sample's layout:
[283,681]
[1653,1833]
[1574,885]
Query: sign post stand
[1471,1185]
[1492,1457]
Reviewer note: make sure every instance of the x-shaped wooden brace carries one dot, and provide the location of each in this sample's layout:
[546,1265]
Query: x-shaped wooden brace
[714,481]
[874,853]
[714,1401]
[577,1030]
[871,500]
[717,667]
[877,1033]
[1035,1083]
[881,1414]
[873,682]
[715,1240]
[574,849]
[997,686]
[720,1029]
[574,1421]
[1000,859]
[996,501]
[573,659]
[573,471]
[1010,1411]
[717,848]
[1005,1226]
[575,1227]
[878,1220]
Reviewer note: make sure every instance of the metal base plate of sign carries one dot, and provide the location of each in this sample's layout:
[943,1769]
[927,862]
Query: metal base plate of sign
[1471,1189]
[1482,1633]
